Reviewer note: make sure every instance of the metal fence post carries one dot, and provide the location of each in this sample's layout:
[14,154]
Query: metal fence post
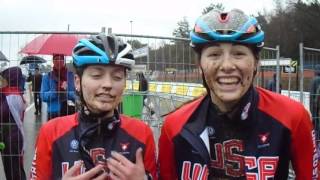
[301,71]
[278,70]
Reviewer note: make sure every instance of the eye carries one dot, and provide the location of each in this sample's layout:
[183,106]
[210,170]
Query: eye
[117,76]
[214,55]
[239,54]
[96,75]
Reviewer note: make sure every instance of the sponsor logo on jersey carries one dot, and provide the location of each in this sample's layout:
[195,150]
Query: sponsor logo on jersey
[211,132]
[264,137]
[124,148]
[74,145]
[264,140]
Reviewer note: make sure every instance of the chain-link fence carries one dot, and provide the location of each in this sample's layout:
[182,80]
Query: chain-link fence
[164,58]
[171,68]
[310,82]
[268,66]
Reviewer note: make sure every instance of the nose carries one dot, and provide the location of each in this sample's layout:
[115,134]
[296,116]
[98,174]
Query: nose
[226,63]
[106,82]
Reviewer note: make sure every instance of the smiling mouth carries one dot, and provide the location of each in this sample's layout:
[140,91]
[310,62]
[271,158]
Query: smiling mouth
[228,80]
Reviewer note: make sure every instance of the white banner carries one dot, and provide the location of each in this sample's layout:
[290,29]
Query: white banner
[141,52]
[273,62]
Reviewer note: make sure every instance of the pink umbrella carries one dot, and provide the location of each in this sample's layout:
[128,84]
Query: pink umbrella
[52,44]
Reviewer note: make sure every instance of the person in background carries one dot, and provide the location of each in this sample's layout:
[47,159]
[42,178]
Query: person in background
[315,98]
[97,142]
[12,108]
[36,80]
[143,84]
[272,84]
[57,89]
[236,130]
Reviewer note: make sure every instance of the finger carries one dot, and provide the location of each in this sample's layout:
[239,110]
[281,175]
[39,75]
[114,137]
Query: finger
[73,170]
[92,172]
[116,167]
[139,157]
[102,176]
[113,176]
[121,158]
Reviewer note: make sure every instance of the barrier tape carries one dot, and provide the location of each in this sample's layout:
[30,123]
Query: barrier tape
[181,89]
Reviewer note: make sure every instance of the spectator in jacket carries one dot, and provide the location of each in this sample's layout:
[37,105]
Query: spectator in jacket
[12,107]
[36,80]
[235,131]
[57,89]
[315,98]
[97,142]
[143,84]
[272,84]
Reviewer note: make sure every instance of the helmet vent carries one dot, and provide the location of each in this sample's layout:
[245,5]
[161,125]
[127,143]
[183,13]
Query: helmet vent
[224,17]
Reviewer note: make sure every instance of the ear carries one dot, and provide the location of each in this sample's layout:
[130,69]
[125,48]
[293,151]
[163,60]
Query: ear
[200,70]
[77,83]
[256,66]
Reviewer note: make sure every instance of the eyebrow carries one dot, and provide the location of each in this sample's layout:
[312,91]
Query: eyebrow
[99,68]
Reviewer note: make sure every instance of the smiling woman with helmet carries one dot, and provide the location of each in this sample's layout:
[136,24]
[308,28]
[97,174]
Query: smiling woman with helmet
[237,130]
[97,142]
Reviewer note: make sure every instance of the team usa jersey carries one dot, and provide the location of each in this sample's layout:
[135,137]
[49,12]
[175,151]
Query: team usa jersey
[58,146]
[271,130]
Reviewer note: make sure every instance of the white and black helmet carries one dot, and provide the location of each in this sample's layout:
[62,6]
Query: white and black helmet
[102,49]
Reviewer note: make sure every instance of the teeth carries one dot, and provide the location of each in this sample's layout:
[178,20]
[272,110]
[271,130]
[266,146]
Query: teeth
[228,80]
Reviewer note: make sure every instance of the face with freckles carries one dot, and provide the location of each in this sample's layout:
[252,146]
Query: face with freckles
[102,87]
[228,70]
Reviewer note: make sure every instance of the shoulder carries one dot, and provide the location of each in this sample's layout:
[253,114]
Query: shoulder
[285,110]
[57,127]
[176,120]
[130,123]
[269,99]
[135,127]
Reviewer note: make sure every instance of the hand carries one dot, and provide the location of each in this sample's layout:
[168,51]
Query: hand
[64,85]
[97,172]
[123,169]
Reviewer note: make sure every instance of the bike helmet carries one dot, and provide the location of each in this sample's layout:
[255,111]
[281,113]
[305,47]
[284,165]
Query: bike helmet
[102,49]
[233,26]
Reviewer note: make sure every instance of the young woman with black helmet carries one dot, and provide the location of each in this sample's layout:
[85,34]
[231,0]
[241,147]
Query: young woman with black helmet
[97,142]
[237,130]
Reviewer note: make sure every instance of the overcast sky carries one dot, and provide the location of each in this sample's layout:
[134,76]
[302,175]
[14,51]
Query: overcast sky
[150,17]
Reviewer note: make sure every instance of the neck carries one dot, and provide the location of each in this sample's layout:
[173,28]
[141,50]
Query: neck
[101,115]
[223,106]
